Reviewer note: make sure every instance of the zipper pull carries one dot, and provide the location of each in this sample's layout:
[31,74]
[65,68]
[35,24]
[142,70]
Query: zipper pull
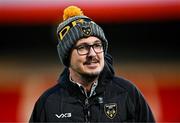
[86,102]
[87,111]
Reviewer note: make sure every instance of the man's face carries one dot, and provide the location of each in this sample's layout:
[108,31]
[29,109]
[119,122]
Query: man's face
[87,63]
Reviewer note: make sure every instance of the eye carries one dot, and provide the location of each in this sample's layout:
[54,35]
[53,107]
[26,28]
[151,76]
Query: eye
[82,47]
[97,45]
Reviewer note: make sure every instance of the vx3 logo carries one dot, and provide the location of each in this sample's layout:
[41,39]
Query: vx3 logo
[65,115]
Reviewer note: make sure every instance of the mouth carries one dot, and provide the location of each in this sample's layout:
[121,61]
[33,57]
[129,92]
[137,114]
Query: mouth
[91,64]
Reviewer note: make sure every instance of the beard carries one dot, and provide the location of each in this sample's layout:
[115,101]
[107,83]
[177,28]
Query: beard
[89,77]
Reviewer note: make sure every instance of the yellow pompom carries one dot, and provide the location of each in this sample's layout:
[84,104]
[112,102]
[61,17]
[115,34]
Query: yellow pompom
[71,11]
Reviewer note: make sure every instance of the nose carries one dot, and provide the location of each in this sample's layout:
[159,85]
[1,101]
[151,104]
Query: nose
[91,52]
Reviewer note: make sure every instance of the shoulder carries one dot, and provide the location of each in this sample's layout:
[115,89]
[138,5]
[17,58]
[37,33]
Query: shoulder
[123,83]
[127,86]
[49,94]
[38,110]
[135,99]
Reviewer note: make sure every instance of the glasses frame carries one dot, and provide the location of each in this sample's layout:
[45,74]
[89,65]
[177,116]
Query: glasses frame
[89,47]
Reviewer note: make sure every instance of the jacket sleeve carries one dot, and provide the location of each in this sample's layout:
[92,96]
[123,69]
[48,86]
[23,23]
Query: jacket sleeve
[38,114]
[143,112]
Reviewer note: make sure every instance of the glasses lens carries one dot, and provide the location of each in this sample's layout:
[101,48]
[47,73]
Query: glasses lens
[84,49]
[98,48]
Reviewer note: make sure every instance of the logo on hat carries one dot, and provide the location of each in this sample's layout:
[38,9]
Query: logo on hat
[86,29]
[110,110]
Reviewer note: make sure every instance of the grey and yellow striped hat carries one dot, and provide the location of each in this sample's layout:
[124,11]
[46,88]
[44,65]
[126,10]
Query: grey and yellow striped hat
[75,27]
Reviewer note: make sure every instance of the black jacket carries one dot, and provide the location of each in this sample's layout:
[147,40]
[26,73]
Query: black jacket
[116,100]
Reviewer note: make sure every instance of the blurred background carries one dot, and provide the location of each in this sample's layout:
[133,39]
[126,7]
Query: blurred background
[143,39]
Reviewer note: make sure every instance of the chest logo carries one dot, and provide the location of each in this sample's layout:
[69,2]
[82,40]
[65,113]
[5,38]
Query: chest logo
[110,110]
[65,115]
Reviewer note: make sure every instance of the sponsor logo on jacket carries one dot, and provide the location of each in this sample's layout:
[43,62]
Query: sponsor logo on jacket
[110,110]
[63,115]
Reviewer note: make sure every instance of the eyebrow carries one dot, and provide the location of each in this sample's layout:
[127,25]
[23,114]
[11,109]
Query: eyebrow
[84,43]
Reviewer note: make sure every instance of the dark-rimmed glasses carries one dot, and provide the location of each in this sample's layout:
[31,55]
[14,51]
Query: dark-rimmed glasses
[85,48]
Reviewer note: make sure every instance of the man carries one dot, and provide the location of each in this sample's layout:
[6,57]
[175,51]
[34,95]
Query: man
[87,90]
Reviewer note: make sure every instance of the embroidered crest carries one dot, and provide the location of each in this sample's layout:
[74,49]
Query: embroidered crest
[86,29]
[110,110]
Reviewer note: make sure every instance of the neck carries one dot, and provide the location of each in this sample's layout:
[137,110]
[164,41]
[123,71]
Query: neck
[85,80]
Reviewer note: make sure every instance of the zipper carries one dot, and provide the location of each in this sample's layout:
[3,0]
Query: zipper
[87,111]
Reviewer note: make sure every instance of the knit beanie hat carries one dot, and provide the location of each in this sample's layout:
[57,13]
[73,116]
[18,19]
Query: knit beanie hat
[74,27]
